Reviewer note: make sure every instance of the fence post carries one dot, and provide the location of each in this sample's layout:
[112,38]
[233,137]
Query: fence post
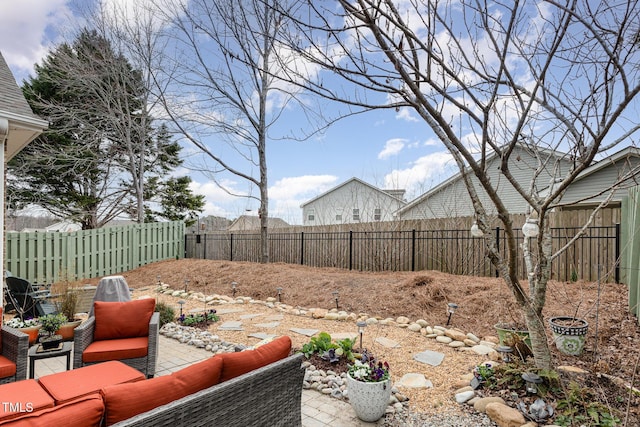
[350,249]
[204,248]
[498,246]
[302,248]
[617,269]
[231,248]
[413,250]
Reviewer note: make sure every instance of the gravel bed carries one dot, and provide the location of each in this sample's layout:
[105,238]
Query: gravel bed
[417,419]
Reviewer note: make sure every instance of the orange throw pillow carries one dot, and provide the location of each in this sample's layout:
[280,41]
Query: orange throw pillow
[128,319]
[83,412]
[124,401]
[236,364]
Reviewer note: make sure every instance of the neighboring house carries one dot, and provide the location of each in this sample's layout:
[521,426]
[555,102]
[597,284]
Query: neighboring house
[252,223]
[353,201]
[593,185]
[18,127]
[450,199]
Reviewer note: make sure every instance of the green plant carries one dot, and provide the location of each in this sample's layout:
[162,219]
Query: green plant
[167,314]
[580,407]
[345,347]
[198,318]
[484,372]
[320,344]
[368,369]
[52,322]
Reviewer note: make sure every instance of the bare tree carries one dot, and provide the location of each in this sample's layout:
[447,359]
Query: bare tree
[487,77]
[221,91]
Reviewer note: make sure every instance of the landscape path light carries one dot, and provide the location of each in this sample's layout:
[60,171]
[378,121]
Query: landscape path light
[279,294]
[234,288]
[505,352]
[531,382]
[158,279]
[475,230]
[186,284]
[361,325]
[451,308]
[335,296]
[181,303]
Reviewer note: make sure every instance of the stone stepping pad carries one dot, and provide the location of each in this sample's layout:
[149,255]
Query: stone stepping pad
[231,326]
[268,325]
[228,310]
[413,380]
[306,332]
[250,316]
[262,336]
[388,343]
[429,357]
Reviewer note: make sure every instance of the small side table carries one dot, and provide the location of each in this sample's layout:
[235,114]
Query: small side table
[67,346]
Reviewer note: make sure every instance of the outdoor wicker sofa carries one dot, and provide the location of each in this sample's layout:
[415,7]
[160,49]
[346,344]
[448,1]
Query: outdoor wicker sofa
[256,387]
[267,396]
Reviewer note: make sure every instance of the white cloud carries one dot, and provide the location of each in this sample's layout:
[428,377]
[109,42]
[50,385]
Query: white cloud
[423,173]
[26,31]
[287,194]
[405,114]
[391,148]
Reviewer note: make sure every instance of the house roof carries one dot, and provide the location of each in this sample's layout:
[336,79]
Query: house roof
[17,122]
[457,177]
[249,222]
[391,193]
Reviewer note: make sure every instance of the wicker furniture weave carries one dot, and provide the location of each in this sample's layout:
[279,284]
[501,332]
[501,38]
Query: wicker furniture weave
[268,396]
[83,336]
[15,346]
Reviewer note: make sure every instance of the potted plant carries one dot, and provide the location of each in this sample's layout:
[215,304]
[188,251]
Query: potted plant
[30,327]
[50,325]
[569,334]
[67,304]
[369,387]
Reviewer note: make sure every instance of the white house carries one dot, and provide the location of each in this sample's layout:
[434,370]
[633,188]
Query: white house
[353,201]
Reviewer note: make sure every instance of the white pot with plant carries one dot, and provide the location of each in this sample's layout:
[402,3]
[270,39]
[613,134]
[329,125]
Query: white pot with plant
[50,324]
[369,387]
[30,327]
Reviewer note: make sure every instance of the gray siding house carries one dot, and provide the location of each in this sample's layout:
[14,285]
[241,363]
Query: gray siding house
[353,201]
[451,200]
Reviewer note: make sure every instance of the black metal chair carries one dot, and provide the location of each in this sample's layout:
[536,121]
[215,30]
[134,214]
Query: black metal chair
[27,300]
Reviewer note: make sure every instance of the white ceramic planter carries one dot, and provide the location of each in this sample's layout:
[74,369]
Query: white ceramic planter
[368,400]
[569,334]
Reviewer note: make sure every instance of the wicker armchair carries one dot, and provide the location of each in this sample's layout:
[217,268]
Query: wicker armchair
[83,337]
[15,346]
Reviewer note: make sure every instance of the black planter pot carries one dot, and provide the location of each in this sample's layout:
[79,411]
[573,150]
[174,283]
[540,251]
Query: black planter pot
[51,342]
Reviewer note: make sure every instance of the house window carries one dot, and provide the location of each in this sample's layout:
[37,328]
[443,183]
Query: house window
[377,214]
[311,216]
[356,214]
[339,217]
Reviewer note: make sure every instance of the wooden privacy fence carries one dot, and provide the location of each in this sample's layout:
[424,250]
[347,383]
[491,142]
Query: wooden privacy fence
[50,257]
[450,251]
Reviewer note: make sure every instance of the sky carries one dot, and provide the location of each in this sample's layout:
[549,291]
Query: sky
[388,149]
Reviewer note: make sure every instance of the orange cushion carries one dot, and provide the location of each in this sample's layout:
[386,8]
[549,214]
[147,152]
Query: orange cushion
[22,397]
[127,348]
[84,412]
[66,386]
[235,364]
[7,367]
[127,319]
[123,401]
